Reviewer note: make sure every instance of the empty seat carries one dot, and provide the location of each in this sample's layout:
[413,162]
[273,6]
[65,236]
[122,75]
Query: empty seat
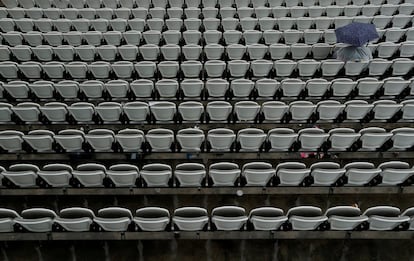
[40,140]
[342,139]
[395,172]
[89,175]
[7,217]
[385,109]
[191,111]
[75,219]
[36,220]
[160,139]
[123,175]
[384,218]
[221,139]
[361,173]
[266,87]
[251,139]
[329,110]
[130,139]
[156,175]
[345,218]
[281,139]
[224,173]
[20,175]
[307,218]
[301,110]
[257,173]
[326,173]
[217,87]
[70,140]
[100,139]
[82,111]
[192,88]
[241,87]
[113,219]
[229,218]
[27,111]
[312,139]
[267,218]
[190,139]
[190,174]
[291,173]
[163,111]
[152,219]
[190,218]
[55,175]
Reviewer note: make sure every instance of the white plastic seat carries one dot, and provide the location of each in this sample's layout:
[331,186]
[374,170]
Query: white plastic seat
[278,51]
[109,111]
[236,51]
[284,68]
[17,89]
[217,87]
[22,52]
[401,66]
[191,51]
[11,140]
[7,217]
[407,110]
[167,88]
[229,23]
[31,70]
[312,139]
[77,70]
[257,173]
[402,138]
[168,69]
[27,111]
[342,138]
[360,173]
[251,139]
[132,37]
[65,53]
[394,86]
[190,139]
[387,49]
[378,66]
[306,217]
[100,70]
[171,36]
[383,218]
[54,111]
[67,89]
[357,109]
[149,52]
[345,217]
[190,218]
[385,109]
[191,111]
[92,88]
[160,139]
[215,68]
[317,87]
[152,219]
[142,88]
[353,68]
[257,51]
[291,173]
[329,110]
[75,219]
[70,140]
[331,67]
[224,173]
[123,69]
[163,111]
[22,175]
[239,87]
[292,36]
[326,173]
[212,36]
[86,53]
[395,172]
[267,218]
[192,36]
[191,69]
[229,218]
[107,52]
[246,111]
[171,52]
[100,140]
[190,174]
[368,86]
[301,110]
[5,112]
[62,25]
[214,51]
[123,175]
[292,87]
[221,139]
[373,138]
[31,38]
[145,69]
[308,67]
[266,87]
[36,219]
[136,111]
[113,219]
[137,24]
[218,110]
[90,174]
[281,139]
[56,175]
[117,88]
[131,140]
[156,175]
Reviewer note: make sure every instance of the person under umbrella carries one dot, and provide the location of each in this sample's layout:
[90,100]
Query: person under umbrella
[355,36]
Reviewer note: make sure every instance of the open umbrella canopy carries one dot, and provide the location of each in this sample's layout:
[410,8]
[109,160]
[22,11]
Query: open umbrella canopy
[356,34]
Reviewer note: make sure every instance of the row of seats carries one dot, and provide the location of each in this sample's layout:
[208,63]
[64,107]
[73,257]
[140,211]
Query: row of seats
[210,69]
[203,90]
[189,52]
[157,24]
[208,12]
[191,3]
[133,37]
[391,173]
[217,140]
[214,111]
[226,218]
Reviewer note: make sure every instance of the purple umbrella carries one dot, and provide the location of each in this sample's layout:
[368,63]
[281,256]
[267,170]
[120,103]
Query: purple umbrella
[356,34]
